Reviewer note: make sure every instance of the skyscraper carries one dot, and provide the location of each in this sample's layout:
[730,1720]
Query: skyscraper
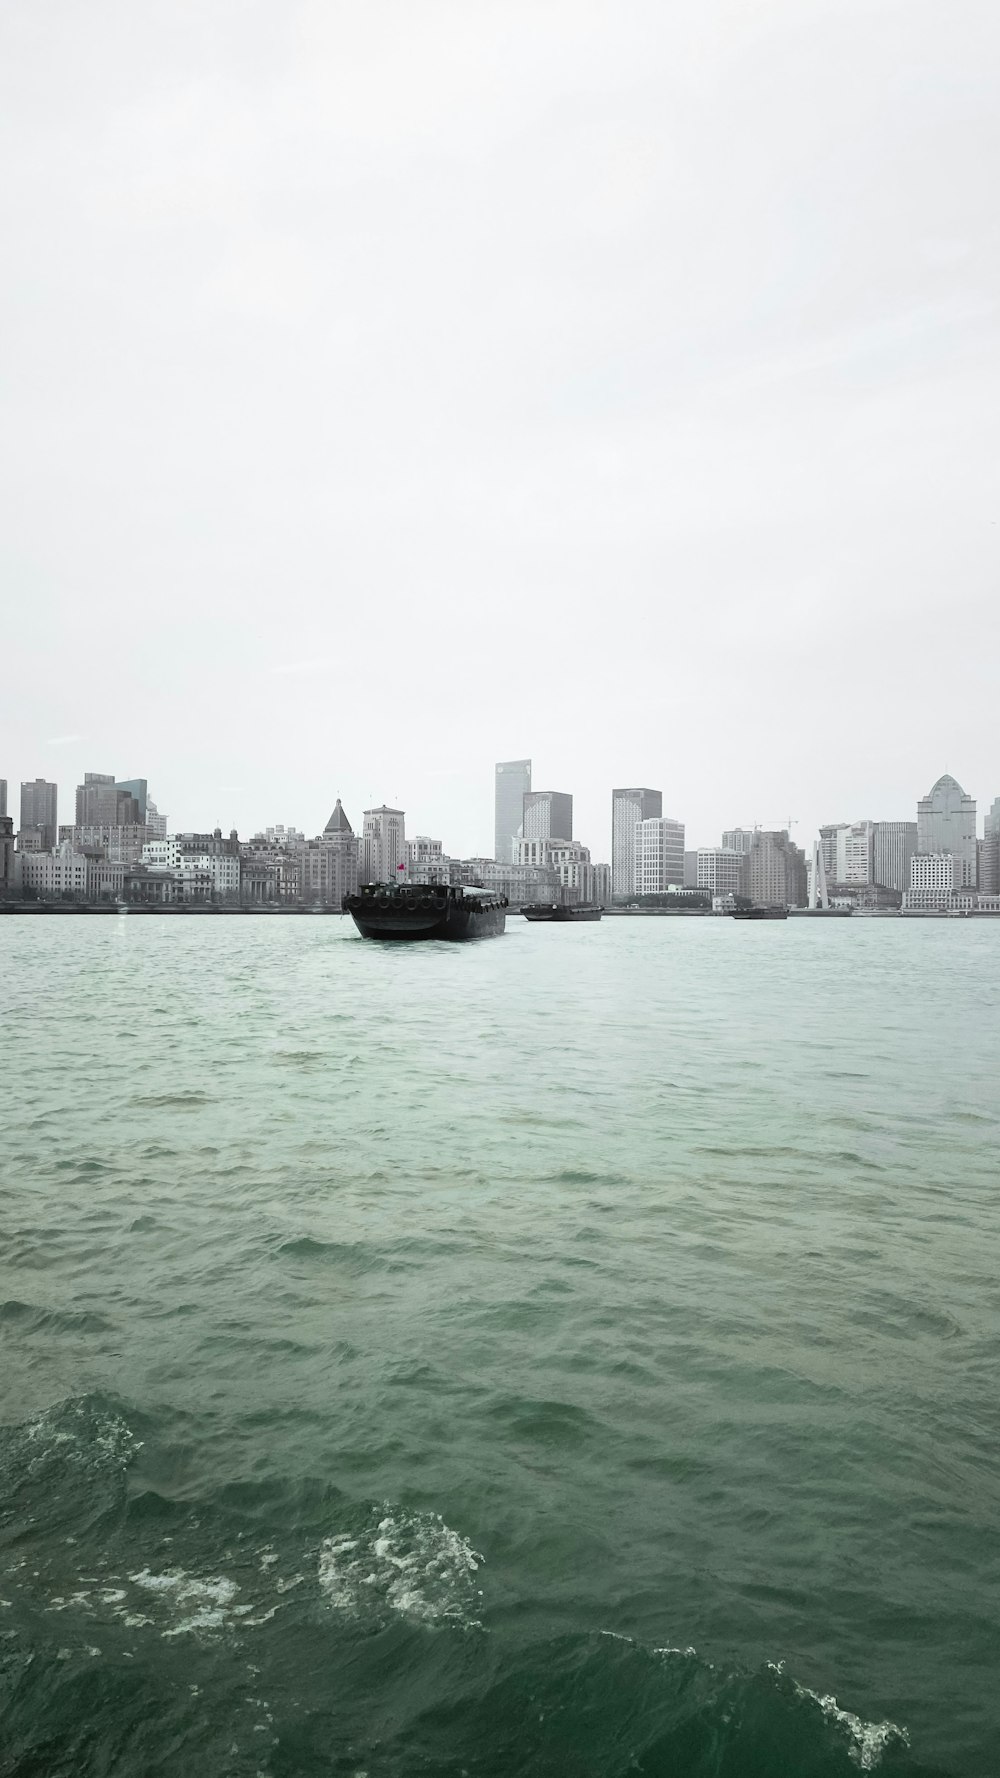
[989,881]
[3,797]
[548,815]
[659,855]
[100,802]
[513,781]
[774,871]
[895,844]
[383,845]
[38,811]
[628,807]
[946,822]
[329,865]
[136,787]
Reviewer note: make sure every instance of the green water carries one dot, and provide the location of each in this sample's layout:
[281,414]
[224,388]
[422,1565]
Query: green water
[574,1353]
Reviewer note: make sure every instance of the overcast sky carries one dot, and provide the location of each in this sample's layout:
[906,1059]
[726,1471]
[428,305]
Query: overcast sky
[392,388]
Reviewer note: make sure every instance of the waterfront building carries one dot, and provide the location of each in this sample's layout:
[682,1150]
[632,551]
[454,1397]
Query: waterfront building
[156,824]
[547,815]
[691,869]
[513,782]
[59,872]
[602,884]
[270,871]
[120,844]
[719,869]
[893,847]
[659,855]
[32,839]
[383,845]
[989,872]
[281,836]
[627,807]
[849,852]
[39,800]
[519,882]
[738,839]
[774,870]
[946,822]
[329,864]
[567,860]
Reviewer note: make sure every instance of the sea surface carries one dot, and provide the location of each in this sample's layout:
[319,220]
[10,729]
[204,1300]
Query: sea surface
[567,1355]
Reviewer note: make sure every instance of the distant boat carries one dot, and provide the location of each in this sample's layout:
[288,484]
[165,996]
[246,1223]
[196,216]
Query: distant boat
[556,915]
[412,911]
[767,913]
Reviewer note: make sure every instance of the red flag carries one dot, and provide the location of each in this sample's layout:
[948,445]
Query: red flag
[400,867]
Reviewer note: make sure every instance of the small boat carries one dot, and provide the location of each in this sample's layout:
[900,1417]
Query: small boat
[411,911]
[561,916]
[764,913]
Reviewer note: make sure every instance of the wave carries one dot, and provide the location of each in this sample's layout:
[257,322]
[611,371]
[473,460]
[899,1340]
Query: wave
[408,1565]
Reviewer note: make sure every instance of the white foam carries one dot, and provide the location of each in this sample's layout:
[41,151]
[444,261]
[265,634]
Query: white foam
[412,1565]
[867,1741]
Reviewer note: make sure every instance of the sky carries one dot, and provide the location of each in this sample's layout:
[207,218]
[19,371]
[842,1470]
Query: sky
[393,388]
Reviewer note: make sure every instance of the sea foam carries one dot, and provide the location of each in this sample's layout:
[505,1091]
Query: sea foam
[408,1565]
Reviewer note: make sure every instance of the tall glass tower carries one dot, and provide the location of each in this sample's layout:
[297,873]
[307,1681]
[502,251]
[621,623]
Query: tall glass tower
[513,781]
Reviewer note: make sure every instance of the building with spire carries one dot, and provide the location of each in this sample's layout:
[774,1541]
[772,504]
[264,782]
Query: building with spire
[329,865]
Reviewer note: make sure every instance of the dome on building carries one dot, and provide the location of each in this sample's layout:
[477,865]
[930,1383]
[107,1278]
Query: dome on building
[338,822]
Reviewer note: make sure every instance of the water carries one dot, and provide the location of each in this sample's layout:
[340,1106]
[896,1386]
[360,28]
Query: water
[570,1354]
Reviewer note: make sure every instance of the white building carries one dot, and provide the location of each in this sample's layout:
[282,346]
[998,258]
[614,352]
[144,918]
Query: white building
[933,883]
[895,844]
[719,869]
[61,872]
[627,807]
[383,845]
[659,855]
[849,852]
[567,860]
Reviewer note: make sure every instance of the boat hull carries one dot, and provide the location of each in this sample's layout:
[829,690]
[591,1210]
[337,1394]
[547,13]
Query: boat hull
[561,916]
[405,917]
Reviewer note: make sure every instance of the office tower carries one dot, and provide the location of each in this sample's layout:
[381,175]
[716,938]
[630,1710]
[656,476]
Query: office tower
[137,788]
[3,797]
[548,815]
[738,839]
[989,851]
[774,871]
[38,811]
[719,869]
[849,852]
[100,802]
[894,845]
[156,824]
[383,845]
[659,855]
[513,781]
[628,807]
[946,822]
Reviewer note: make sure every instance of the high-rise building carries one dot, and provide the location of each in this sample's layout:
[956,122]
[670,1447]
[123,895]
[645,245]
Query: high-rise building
[946,822]
[10,860]
[894,845]
[659,855]
[849,852]
[329,864]
[548,815]
[135,787]
[38,811]
[3,797]
[738,839]
[383,845]
[628,807]
[719,869]
[774,871]
[513,781]
[100,802]
[989,877]
[156,824]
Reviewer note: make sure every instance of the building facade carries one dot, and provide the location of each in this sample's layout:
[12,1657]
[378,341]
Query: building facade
[659,855]
[120,844]
[39,801]
[894,844]
[849,852]
[60,872]
[548,815]
[989,854]
[627,807]
[738,839]
[512,784]
[774,871]
[329,865]
[946,822]
[100,802]
[719,869]
[10,862]
[383,845]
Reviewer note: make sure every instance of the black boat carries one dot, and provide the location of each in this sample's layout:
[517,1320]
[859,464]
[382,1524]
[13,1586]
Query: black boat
[560,916]
[411,910]
[766,913]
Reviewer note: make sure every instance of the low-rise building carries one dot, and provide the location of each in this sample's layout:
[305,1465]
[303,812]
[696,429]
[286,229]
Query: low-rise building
[58,873]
